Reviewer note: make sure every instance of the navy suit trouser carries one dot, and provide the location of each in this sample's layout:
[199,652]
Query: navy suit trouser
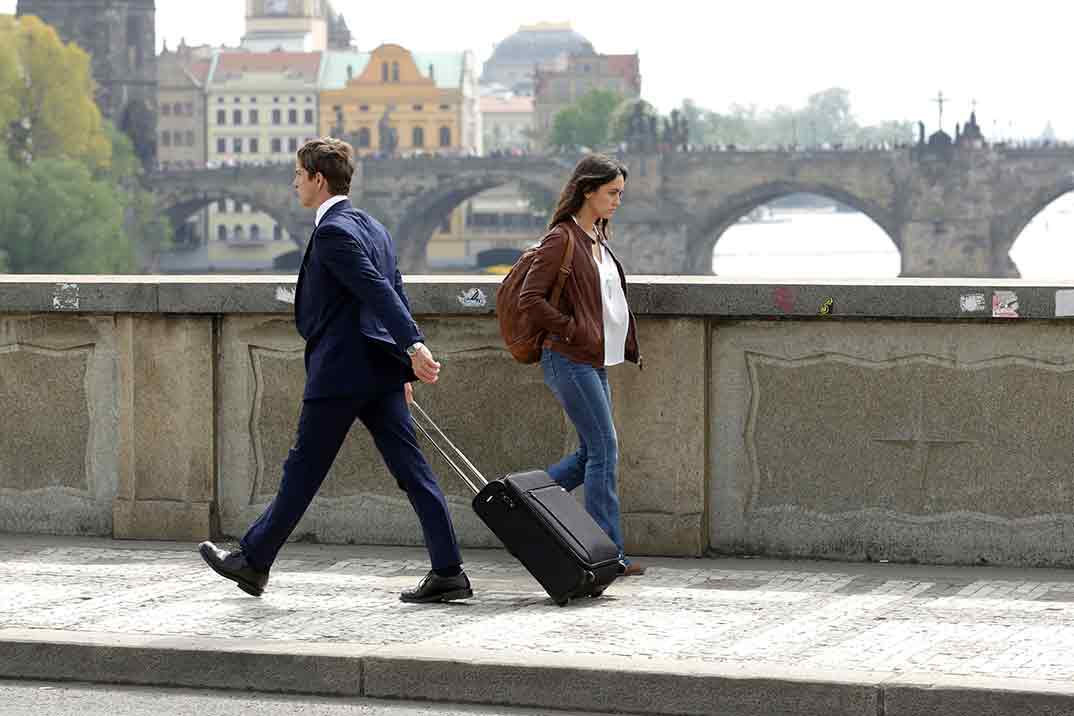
[322,428]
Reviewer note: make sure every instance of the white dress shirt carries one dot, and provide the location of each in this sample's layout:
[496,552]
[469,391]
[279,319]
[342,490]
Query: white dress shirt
[328,203]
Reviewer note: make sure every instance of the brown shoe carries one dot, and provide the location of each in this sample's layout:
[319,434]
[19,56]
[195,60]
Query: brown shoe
[634,570]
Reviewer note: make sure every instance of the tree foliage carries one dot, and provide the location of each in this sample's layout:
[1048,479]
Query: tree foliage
[70,197]
[587,122]
[826,119]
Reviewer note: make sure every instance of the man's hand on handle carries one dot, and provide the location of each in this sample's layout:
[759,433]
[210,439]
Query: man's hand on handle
[427,369]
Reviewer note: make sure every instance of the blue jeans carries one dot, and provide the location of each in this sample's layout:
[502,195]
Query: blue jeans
[583,392]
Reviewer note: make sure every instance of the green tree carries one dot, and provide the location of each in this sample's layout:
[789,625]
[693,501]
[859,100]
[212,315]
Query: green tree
[587,122]
[70,193]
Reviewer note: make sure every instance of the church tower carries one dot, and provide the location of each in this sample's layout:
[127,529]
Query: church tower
[290,25]
[120,36]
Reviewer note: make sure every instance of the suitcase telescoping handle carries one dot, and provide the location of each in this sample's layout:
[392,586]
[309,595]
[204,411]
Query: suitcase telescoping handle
[474,472]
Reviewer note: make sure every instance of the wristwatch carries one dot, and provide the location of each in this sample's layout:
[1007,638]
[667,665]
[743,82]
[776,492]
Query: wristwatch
[413,348]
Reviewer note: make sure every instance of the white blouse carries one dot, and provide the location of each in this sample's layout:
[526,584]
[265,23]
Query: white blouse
[616,313]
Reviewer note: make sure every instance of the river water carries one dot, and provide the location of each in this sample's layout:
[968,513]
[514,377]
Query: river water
[822,243]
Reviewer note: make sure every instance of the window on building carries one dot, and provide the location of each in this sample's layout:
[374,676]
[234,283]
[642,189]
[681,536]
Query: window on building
[293,100]
[221,116]
[384,72]
[190,138]
[277,232]
[395,72]
[221,146]
[237,232]
[236,145]
[255,232]
[292,145]
[309,99]
[177,109]
[418,137]
[445,136]
[236,117]
[165,109]
[363,137]
[277,116]
[363,108]
[236,100]
[219,100]
[277,146]
[419,107]
[253,116]
[253,100]
[221,232]
[292,116]
[445,225]
[246,208]
[445,107]
[166,138]
[188,109]
[254,149]
[309,116]
[221,205]
[276,100]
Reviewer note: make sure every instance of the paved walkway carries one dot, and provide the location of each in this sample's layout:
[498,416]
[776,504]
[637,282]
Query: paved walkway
[735,636]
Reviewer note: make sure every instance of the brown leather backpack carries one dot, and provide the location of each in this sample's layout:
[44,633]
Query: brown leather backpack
[523,339]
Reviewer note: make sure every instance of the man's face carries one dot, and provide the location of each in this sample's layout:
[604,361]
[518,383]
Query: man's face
[307,187]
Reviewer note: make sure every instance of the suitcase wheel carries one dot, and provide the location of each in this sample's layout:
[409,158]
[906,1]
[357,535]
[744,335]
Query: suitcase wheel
[590,577]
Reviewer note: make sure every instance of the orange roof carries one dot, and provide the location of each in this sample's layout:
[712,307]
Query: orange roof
[234,63]
[199,70]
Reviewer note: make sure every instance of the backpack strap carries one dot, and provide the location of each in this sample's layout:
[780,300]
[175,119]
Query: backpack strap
[564,270]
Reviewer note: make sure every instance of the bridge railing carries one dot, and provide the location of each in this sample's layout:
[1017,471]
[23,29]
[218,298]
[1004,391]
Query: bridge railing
[902,420]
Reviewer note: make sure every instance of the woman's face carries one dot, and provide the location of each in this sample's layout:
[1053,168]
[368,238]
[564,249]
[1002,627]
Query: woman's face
[606,199]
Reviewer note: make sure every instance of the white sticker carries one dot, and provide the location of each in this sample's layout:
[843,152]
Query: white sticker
[287,295]
[1004,304]
[973,303]
[1064,302]
[473,298]
[66,297]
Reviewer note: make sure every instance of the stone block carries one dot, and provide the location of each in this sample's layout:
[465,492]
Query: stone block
[167,432]
[57,443]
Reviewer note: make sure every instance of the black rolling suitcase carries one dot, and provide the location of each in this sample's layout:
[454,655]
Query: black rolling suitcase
[541,525]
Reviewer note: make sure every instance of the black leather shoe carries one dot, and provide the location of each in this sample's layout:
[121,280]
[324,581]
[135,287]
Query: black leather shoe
[434,588]
[233,566]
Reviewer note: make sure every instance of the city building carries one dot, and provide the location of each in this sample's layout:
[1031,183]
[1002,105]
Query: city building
[545,45]
[393,101]
[558,89]
[181,78]
[507,121]
[120,37]
[294,26]
[261,107]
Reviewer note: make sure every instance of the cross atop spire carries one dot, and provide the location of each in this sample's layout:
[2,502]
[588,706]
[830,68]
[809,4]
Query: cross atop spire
[940,100]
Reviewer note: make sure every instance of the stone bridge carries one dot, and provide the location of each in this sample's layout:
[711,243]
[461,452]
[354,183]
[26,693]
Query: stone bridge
[953,212]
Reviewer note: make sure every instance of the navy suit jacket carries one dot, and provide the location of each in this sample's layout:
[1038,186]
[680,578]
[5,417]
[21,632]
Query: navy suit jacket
[351,308]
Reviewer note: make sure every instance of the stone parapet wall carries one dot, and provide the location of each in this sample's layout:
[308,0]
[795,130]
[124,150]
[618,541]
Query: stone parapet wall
[906,420]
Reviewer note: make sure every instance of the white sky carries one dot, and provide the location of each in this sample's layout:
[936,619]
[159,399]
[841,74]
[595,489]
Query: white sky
[893,57]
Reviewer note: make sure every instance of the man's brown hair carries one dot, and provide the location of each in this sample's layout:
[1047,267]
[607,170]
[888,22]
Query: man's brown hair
[333,158]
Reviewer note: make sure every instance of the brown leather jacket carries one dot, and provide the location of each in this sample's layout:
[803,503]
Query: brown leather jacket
[575,327]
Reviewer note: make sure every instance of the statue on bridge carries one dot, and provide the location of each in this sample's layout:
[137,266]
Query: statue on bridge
[389,137]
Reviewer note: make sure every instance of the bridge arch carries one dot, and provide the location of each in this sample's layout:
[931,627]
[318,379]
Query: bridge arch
[1007,234]
[419,218]
[712,224]
[179,206]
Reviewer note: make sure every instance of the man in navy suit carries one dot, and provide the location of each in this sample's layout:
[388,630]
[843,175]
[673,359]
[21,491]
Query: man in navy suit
[363,349]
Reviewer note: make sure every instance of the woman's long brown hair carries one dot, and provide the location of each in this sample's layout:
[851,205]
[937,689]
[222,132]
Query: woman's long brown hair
[591,173]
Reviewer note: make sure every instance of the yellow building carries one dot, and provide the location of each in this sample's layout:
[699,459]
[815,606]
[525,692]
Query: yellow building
[394,102]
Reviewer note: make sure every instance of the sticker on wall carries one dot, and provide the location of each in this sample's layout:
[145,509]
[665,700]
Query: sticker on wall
[285,294]
[826,306]
[783,299]
[1004,304]
[66,297]
[973,303]
[473,298]
[1064,302]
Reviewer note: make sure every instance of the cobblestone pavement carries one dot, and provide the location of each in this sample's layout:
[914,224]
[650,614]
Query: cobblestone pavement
[969,622]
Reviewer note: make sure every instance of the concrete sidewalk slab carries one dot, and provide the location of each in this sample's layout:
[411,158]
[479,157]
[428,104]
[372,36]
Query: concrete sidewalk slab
[734,636]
